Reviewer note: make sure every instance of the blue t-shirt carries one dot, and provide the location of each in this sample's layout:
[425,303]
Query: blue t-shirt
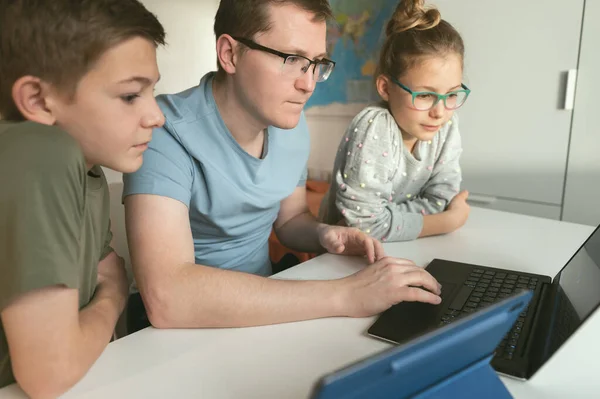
[233,198]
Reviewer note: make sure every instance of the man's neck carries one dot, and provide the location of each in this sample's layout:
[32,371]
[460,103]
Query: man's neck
[245,129]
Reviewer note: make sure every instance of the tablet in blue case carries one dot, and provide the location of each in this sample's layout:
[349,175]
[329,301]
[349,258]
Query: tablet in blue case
[450,362]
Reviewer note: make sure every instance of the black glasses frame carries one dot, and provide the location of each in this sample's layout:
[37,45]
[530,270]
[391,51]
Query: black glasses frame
[255,46]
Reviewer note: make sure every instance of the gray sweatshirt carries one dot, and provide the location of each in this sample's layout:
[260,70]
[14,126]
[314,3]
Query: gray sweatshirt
[380,187]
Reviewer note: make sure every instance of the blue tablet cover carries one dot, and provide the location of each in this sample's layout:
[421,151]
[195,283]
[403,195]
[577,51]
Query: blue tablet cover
[449,362]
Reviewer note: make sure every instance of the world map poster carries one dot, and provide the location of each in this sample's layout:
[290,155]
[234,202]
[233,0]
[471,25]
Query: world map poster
[353,42]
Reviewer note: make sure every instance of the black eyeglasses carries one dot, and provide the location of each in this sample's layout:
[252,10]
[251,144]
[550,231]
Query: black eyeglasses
[294,65]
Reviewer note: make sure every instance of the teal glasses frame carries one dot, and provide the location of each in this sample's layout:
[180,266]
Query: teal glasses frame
[439,97]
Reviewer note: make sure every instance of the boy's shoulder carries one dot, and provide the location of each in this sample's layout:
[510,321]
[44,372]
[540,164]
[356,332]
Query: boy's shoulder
[30,148]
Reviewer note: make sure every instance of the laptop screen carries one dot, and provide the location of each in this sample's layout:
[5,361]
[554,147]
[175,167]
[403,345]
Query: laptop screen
[577,288]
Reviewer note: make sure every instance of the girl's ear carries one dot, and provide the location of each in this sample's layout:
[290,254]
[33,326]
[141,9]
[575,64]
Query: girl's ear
[383,86]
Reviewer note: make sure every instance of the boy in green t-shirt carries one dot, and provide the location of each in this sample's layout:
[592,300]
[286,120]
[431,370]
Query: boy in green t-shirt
[76,93]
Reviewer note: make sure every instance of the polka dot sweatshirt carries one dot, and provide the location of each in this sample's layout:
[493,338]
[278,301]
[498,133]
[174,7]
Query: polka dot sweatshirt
[381,188]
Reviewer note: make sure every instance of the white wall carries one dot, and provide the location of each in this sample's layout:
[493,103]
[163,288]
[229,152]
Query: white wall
[190,50]
[327,125]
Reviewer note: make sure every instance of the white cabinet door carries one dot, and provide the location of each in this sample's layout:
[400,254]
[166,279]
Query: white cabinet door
[583,177]
[515,134]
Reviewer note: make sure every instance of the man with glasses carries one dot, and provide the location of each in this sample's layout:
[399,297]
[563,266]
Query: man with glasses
[227,167]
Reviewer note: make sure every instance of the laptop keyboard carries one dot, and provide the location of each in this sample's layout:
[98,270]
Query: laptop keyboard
[483,288]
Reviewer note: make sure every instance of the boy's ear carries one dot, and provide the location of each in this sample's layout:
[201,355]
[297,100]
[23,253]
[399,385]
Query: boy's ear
[383,87]
[227,53]
[32,98]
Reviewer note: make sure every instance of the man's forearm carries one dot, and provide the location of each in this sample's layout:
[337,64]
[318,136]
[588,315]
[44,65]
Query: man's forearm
[199,296]
[301,233]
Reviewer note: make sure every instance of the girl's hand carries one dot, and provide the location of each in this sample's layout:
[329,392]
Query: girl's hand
[459,209]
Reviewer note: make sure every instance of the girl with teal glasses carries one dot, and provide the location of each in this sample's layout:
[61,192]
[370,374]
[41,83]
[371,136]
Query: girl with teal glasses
[396,175]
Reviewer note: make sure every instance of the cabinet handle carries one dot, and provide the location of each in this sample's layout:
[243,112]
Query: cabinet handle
[570,89]
[481,199]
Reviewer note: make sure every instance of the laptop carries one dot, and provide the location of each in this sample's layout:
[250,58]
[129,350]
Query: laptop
[558,308]
[450,362]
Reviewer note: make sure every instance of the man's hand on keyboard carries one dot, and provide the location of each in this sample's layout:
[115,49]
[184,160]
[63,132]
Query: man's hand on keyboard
[385,283]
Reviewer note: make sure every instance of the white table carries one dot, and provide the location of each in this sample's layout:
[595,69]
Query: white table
[284,361]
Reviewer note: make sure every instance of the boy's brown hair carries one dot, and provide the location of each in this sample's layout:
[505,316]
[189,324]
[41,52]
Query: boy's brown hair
[246,18]
[59,41]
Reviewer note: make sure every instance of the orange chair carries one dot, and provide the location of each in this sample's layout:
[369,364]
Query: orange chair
[315,191]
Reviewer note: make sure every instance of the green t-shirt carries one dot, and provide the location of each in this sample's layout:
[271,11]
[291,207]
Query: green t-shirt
[54,218]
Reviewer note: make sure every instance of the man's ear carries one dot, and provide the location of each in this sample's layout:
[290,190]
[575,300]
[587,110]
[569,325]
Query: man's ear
[227,53]
[383,87]
[33,100]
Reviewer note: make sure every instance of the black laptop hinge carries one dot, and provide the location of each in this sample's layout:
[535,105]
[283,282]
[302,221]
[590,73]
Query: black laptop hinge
[534,345]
